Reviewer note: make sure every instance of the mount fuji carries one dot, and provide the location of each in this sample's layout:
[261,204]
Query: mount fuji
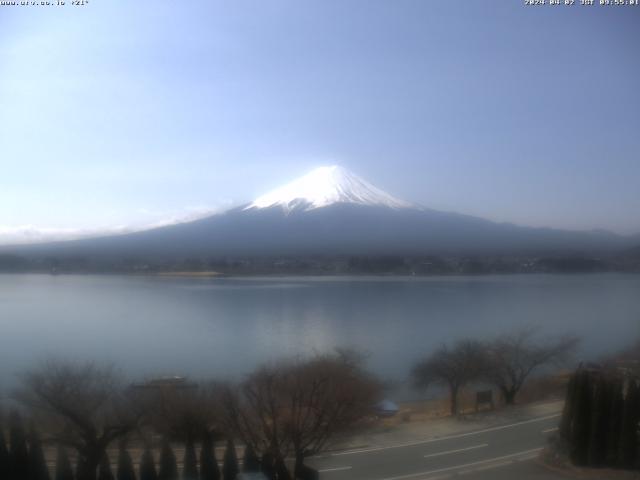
[330,211]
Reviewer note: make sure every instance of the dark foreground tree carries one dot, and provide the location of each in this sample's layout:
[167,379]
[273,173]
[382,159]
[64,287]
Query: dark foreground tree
[85,405]
[614,423]
[268,465]
[230,464]
[4,455]
[168,465]
[511,359]
[18,450]
[63,465]
[251,462]
[566,423]
[452,367]
[148,466]
[125,469]
[37,464]
[190,463]
[629,432]
[599,418]
[104,470]
[208,464]
[579,437]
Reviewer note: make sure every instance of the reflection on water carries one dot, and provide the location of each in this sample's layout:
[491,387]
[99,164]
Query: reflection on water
[225,326]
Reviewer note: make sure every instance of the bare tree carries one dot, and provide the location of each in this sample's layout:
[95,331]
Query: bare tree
[328,394]
[254,408]
[183,413]
[82,405]
[512,358]
[298,407]
[452,367]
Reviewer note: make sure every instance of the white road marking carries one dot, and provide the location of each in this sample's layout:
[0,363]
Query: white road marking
[335,469]
[482,445]
[460,435]
[548,430]
[463,466]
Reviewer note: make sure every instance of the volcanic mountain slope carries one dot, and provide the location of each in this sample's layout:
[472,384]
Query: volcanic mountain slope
[331,211]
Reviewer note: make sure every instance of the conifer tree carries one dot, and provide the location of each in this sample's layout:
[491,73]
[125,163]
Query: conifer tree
[230,464]
[629,431]
[63,465]
[568,411]
[598,430]
[190,462]
[81,468]
[104,470]
[148,466]
[168,465]
[4,455]
[37,464]
[268,465]
[18,451]
[251,461]
[616,406]
[208,464]
[125,465]
[579,440]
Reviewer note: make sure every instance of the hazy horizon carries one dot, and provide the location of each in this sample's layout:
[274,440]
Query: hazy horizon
[118,116]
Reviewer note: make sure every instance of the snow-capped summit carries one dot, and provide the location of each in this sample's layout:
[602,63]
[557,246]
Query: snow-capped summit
[325,186]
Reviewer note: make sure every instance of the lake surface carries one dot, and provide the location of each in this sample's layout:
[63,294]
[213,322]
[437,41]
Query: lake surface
[224,327]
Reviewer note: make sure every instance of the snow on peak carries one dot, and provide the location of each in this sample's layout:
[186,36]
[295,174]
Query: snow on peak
[325,186]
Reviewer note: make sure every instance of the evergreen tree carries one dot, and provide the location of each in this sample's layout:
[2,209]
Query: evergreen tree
[37,464]
[63,465]
[268,467]
[208,464]
[104,470]
[148,466]
[18,451]
[598,430]
[230,464]
[579,439]
[616,406]
[168,465]
[629,432]
[125,465]
[4,455]
[190,462]
[251,460]
[568,411]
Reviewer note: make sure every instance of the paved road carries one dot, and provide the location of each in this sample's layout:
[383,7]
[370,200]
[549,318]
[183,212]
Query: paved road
[505,451]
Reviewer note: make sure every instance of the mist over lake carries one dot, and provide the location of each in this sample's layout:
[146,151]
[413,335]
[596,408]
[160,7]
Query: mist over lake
[224,327]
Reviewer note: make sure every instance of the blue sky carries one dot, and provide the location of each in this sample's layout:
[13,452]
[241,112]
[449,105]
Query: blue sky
[120,114]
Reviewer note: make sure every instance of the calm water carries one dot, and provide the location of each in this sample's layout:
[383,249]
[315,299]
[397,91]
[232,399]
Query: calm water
[224,327]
